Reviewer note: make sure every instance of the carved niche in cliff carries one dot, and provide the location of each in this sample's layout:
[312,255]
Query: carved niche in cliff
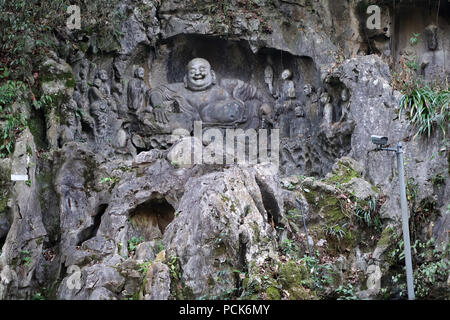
[231,103]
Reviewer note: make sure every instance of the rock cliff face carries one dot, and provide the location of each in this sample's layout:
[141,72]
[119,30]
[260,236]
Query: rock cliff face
[111,209]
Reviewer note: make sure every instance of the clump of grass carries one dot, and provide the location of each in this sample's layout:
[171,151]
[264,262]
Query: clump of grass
[426,109]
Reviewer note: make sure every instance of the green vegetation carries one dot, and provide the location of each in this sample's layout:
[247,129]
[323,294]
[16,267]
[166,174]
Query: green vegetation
[320,274]
[173,264]
[12,121]
[143,267]
[272,293]
[438,179]
[289,247]
[346,292]
[335,231]
[27,37]
[110,180]
[133,243]
[426,109]
[343,174]
[25,257]
[28,25]
[366,214]
[430,265]
[414,39]
[412,64]
[38,296]
[159,246]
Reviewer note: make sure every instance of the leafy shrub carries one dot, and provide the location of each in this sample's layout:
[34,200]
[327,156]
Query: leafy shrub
[368,215]
[11,122]
[414,39]
[319,273]
[346,292]
[335,231]
[430,266]
[134,242]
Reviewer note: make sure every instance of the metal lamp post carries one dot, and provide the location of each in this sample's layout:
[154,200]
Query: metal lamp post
[380,142]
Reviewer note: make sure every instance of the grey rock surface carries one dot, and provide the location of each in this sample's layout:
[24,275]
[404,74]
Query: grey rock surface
[109,192]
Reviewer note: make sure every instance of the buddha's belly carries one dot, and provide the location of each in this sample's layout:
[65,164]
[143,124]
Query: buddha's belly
[227,111]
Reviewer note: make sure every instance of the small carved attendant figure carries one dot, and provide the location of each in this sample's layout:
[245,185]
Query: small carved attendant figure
[299,112]
[433,61]
[103,76]
[84,70]
[327,109]
[268,78]
[117,94]
[136,90]
[311,105]
[98,109]
[71,128]
[288,90]
[285,102]
[344,104]
[431,34]
[266,117]
[83,104]
[307,90]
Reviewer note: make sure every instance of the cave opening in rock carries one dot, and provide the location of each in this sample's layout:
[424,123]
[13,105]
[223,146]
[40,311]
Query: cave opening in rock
[5,226]
[270,204]
[2,242]
[150,219]
[91,231]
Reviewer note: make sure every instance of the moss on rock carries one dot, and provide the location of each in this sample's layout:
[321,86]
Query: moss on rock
[386,236]
[301,293]
[291,274]
[343,174]
[3,203]
[327,203]
[272,293]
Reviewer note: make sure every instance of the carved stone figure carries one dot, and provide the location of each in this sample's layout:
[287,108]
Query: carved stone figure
[431,34]
[103,76]
[106,89]
[232,103]
[307,90]
[117,94]
[344,104]
[136,90]
[327,109]
[433,62]
[84,70]
[286,102]
[267,121]
[81,97]
[311,103]
[288,90]
[299,125]
[98,109]
[71,128]
[268,78]
[299,112]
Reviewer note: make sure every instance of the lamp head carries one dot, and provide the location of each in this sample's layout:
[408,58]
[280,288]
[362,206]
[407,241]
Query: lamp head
[379,140]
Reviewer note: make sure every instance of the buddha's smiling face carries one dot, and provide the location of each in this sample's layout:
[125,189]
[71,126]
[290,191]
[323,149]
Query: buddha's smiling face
[199,74]
[140,73]
[103,75]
